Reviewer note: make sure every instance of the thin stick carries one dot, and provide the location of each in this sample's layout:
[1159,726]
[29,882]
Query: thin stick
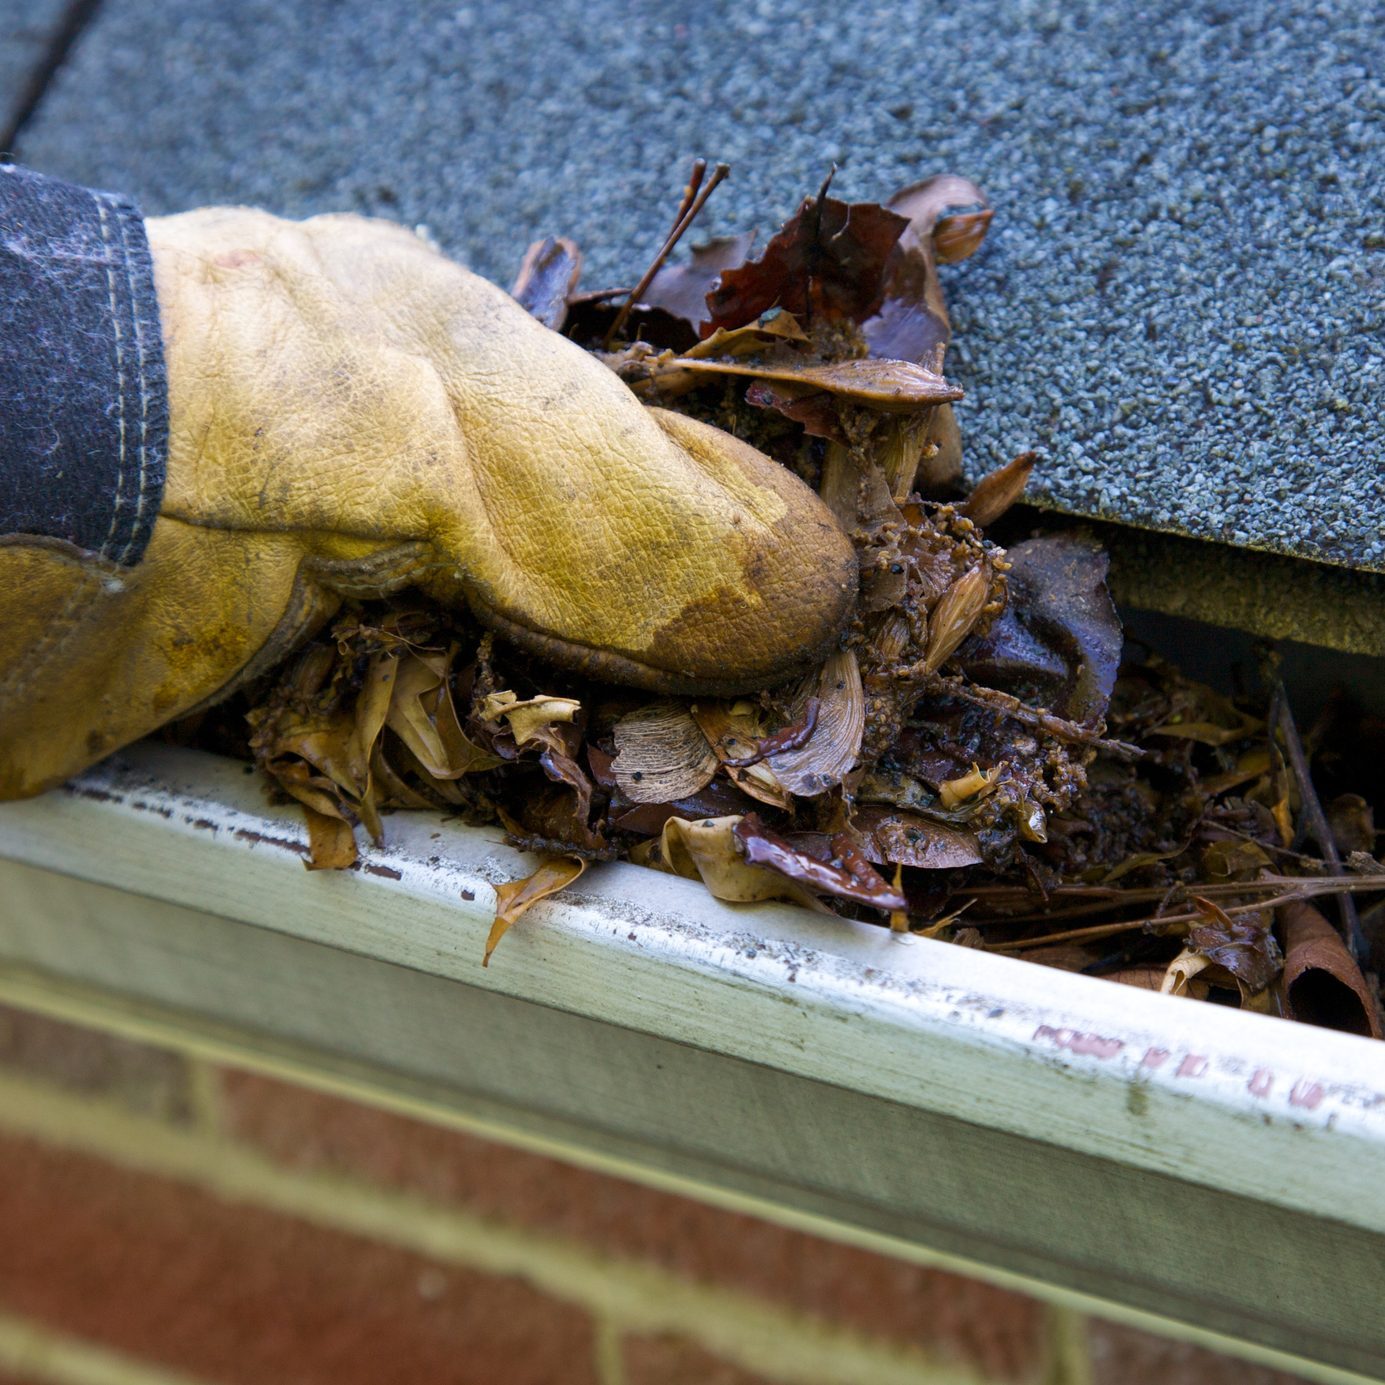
[1107,930]
[1007,705]
[1315,820]
[695,197]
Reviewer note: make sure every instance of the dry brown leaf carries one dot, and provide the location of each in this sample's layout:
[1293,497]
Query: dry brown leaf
[515,897]
[547,279]
[529,718]
[423,716]
[843,871]
[1322,984]
[775,328]
[907,839]
[331,842]
[996,491]
[706,850]
[885,385]
[826,262]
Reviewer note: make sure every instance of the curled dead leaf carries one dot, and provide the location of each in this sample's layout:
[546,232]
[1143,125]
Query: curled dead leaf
[827,261]
[529,717]
[1322,983]
[966,788]
[707,850]
[844,873]
[547,278]
[1057,644]
[423,716]
[515,897]
[885,385]
[996,491]
[958,235]
[1242,947]
[331,842]
[775,328]
[1183,976]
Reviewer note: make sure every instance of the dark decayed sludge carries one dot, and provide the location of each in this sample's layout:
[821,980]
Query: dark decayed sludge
[980,761]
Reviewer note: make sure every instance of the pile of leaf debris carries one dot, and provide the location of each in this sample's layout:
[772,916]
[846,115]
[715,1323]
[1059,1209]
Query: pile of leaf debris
[972,764]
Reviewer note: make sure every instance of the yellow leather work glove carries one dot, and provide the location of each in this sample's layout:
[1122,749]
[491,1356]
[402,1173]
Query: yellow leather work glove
[349,413]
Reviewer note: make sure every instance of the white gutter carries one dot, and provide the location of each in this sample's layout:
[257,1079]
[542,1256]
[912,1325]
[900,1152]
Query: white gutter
[1221,1168]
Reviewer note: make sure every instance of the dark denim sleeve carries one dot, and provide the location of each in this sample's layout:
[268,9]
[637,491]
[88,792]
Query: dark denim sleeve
[83,393]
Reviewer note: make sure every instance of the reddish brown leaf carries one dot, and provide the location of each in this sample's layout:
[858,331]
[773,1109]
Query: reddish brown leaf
[845,873]
[815,409]
[826,262]
[1242,946]
[912,323]
[681,290]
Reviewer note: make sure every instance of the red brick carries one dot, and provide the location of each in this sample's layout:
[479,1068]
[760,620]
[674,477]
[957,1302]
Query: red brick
[240,1295]
[147,1080]
[669,1360]
[1126,1356]
[1001,1333]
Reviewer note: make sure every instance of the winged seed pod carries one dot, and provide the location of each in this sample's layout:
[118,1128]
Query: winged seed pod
[955,615]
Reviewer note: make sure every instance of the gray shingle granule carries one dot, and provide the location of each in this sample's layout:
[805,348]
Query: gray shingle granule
[1181,300]
[26,28]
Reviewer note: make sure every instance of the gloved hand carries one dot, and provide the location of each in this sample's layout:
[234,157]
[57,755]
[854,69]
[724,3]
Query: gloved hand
[351,413]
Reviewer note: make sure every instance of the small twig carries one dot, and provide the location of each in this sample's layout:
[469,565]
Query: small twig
[1291,887]
[1310,888]
[695,197]
[1153,921]
[1010,706]
[1315,821]
[809,260]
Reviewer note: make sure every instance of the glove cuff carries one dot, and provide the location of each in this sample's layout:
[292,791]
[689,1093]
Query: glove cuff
[83,391]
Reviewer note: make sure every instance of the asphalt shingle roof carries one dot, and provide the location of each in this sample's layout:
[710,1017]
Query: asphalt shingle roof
[1181,301]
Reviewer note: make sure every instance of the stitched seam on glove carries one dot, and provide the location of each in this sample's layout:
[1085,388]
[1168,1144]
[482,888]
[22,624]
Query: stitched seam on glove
[82,379]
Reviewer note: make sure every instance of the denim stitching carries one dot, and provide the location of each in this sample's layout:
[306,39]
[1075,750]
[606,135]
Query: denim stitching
[143,395]
[119,374]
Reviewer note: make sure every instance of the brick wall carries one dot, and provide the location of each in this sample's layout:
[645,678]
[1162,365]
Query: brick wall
[164,1220]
